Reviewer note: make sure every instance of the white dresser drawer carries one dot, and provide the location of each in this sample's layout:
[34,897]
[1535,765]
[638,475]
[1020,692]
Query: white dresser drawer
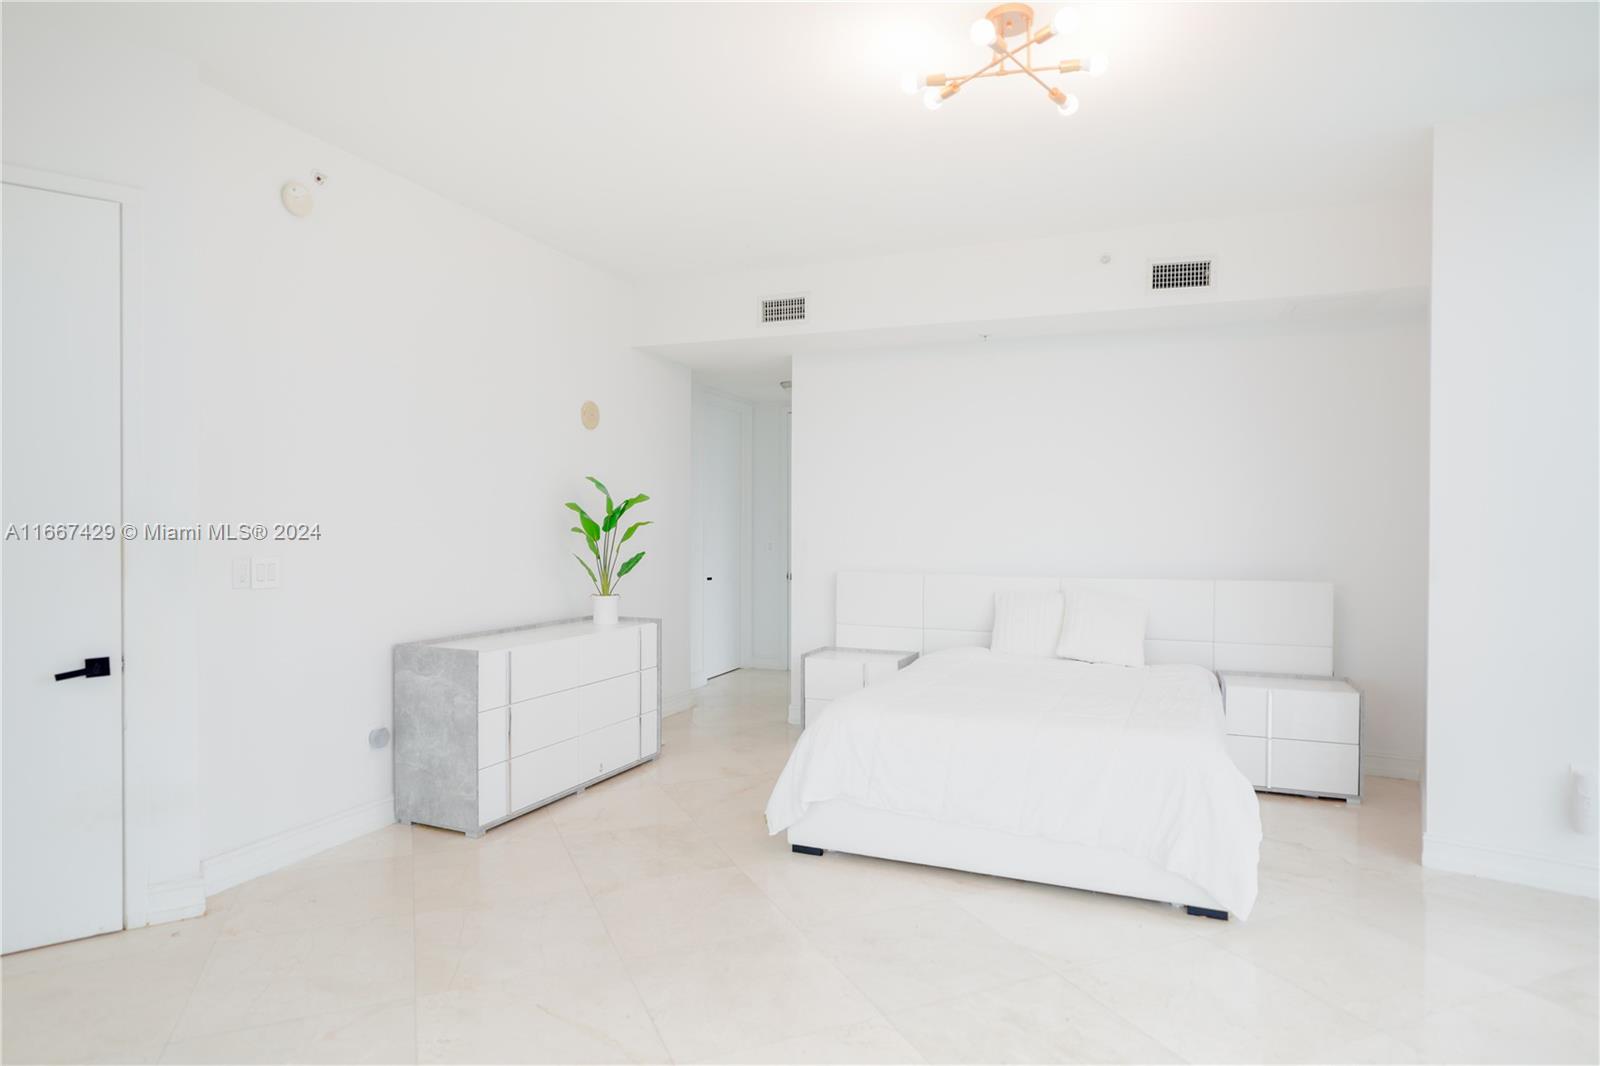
[1246,711]
[648,639]
[649,734]
[606,702]
[542,668]
[603,655]
[1311,766]
[828,679]
[492,740]
[494,679]
[544,773]
[649,691]
[1299,714]
[538,723]
[492,793]
[1249,754]
[607,749]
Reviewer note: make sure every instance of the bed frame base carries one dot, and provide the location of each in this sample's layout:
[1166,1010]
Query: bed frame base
[801,849]
[1206,912]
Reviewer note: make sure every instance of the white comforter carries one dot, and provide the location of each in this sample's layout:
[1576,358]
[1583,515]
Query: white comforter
[1130,759]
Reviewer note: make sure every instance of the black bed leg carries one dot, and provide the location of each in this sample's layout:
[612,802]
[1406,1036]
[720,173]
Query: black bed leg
[1206,912]
[801,849]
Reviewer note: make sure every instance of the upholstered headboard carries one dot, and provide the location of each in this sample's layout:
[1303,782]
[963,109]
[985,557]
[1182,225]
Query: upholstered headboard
[1275,627]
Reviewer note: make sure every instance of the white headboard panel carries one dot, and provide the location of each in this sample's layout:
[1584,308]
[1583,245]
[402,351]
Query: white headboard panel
[1265,626]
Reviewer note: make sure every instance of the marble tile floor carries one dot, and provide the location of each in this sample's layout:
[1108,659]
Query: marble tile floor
[651,919]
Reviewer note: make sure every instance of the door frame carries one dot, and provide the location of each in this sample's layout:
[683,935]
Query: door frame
[129,203]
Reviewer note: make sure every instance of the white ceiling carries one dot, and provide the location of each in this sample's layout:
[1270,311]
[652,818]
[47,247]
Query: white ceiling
[663,138]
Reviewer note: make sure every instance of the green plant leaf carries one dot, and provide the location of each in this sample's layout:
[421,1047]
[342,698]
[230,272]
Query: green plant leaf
[611,520]
[592,579]
[630,531]
[603,490]
[629,565]
[590,530]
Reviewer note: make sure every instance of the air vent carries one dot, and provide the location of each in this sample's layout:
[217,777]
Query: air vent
[784,309]
[1193,274]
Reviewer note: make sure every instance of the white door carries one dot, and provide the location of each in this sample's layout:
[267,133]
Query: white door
[722,498]
[60,741]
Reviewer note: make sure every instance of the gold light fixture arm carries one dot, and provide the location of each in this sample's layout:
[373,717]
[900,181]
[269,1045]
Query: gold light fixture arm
[1015,21]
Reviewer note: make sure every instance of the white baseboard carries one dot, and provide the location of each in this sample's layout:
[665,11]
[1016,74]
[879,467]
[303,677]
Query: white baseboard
[766,664]
[171,901]
[797,714]
[1403,767]
[675,702]
[1501,864]
[264,856]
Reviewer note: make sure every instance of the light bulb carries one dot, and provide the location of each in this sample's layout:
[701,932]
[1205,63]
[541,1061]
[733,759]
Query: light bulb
[983,33]
[911,83]
[1066,20]
[1097,66]
[1069,106]
[932,100]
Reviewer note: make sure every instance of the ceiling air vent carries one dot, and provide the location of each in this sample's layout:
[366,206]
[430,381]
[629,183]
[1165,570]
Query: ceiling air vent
[784,309]
[1191,274]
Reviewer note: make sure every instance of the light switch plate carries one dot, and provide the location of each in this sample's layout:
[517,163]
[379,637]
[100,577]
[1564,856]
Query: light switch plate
[240,576]
[263,572]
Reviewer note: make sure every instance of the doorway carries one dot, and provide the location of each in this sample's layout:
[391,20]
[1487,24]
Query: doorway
[61,709]
[739,581]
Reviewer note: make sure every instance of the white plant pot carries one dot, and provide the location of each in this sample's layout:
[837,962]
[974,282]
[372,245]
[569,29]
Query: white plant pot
[605,609]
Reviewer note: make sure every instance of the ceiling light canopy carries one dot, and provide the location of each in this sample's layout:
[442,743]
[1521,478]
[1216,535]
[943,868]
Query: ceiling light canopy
[1007,31]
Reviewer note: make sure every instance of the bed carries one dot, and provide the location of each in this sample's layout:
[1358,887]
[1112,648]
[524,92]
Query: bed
[1107,778]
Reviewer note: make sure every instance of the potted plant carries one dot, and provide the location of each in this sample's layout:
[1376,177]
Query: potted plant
[605,539]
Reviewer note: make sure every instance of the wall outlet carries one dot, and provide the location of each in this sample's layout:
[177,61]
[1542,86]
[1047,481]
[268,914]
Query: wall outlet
[240,576]
[263,572]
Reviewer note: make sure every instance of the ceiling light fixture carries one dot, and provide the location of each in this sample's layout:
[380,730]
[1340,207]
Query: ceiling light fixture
[995,32]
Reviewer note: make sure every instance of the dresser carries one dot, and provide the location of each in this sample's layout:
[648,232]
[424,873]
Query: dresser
[828,673]
[488,726]
[1295,734]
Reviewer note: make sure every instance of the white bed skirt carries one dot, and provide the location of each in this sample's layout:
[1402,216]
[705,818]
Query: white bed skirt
[840,825]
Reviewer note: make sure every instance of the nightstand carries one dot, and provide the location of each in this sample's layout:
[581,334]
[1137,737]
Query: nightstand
[1300,735]
[829,673]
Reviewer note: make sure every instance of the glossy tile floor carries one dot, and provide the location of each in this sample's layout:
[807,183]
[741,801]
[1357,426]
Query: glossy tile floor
[651,918]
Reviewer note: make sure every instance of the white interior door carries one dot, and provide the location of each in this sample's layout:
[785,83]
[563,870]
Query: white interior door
[723,503]
[60,740]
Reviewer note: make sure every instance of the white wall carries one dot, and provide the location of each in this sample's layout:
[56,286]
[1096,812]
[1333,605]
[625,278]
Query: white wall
[394,367]
[1288,450]
[769,537]
[1513,695]
[1282,256]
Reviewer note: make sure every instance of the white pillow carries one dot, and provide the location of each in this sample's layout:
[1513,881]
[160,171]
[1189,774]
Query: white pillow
[1026,622]
[1103,627]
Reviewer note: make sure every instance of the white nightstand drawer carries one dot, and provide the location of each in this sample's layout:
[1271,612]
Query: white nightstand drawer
[543,668]
[647,645]
[1249,754]
[545,721]
[649,694]
[828,679]
[1246,711]
[607,702]
[605,655]
[492,739]
[607,749]
[492,794]
[1301,714]
[1311,766]
[649,734]
[543,773]
[494,688]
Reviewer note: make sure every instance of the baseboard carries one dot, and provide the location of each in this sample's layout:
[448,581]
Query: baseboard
[171,901]
[264,856]
[1403,767]
[1501,864]
[797,714]
[676,702]
[766,664]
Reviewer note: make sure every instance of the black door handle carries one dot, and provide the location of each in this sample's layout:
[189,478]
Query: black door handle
[708,579]
[100,667]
